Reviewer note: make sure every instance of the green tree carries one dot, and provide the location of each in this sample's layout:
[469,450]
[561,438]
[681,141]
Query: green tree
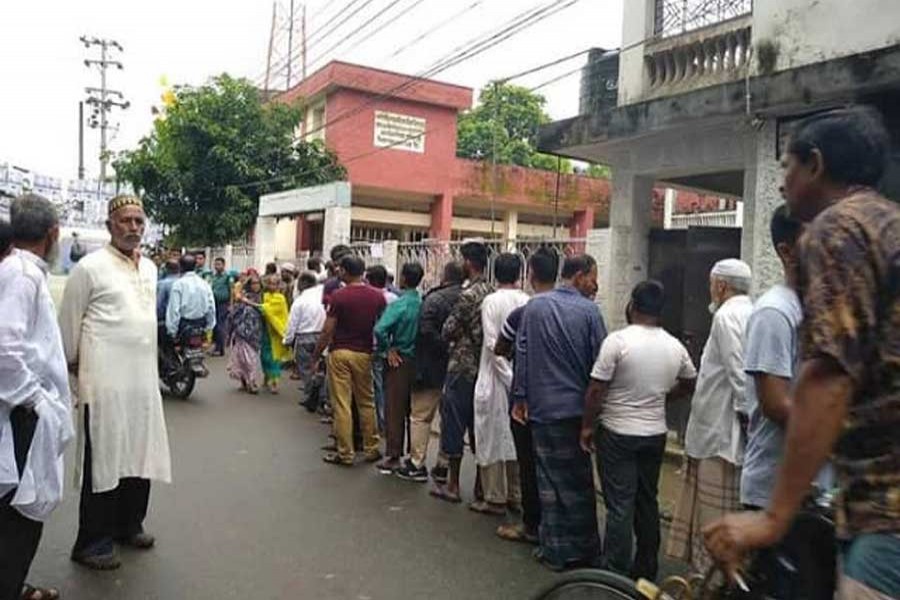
[508,115]
[212,154]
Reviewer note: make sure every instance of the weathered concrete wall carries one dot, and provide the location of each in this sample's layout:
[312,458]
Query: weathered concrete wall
[802,32]
[637,25]
[762,180]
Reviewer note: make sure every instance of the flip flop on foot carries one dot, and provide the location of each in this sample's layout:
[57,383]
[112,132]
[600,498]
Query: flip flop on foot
[516,532]
[441,493]
[486,508]
[30,592]
[333,458]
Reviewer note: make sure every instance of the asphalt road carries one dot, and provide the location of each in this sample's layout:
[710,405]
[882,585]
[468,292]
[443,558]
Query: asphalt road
[254,513]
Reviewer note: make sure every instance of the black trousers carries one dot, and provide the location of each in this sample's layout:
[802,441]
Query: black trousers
[531,501]
[629,473]
[106,516]
[19,536]
[220,332]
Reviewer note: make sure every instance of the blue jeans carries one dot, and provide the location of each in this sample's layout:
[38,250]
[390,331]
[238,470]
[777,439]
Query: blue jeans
[378,385]
[457,414]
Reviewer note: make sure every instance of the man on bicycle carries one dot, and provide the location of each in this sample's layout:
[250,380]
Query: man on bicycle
[846,401]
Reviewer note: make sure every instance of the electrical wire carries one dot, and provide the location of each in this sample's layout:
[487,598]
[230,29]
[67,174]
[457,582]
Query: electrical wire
[378,29]
[441,24]
[375,151]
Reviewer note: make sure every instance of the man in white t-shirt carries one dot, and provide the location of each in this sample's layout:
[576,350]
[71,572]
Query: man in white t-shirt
[625,418]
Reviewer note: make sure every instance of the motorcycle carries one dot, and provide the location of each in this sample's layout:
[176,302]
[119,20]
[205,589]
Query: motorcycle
[181,363]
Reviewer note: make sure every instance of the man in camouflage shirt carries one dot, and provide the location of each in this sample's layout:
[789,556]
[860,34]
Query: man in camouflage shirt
[847,400]
[462,331]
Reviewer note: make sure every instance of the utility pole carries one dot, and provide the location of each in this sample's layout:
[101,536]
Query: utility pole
[102,99]
[290,61]
[80,140]
[303,39]
[495,120]
[269,54]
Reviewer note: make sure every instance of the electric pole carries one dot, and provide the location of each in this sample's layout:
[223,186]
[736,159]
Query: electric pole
[303,39]
[290,61]
[269,53]
[102,100]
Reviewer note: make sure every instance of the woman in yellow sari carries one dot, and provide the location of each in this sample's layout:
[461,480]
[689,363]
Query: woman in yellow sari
[275,312]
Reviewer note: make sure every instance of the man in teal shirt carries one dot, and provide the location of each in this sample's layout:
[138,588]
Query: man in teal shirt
[395,334]
[221,282]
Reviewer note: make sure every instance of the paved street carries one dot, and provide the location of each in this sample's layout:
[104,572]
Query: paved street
[254,513]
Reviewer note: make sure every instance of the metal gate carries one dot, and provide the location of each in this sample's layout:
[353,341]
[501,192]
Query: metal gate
[681,260]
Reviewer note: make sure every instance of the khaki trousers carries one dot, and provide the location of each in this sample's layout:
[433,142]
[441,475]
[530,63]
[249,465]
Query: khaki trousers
[500,482]
[422,410]
[350,380]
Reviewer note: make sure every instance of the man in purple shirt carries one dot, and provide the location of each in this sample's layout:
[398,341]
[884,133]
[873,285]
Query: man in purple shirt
[558,340]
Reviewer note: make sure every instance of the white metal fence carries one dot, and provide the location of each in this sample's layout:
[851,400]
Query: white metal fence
[731,218]
[434,255]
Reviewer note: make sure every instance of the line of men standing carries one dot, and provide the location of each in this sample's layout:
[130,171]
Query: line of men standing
[105,341]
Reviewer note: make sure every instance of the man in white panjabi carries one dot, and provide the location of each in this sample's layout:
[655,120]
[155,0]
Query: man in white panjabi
[715,438]
[495,450]
[35,405]
[108,324]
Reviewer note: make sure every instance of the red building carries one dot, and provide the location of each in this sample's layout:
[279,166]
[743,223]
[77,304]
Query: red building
[396,136]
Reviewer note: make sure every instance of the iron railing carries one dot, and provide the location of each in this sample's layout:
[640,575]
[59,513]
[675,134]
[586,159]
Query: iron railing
[674,17]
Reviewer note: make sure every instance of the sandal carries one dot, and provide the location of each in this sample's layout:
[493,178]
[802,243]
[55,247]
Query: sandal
[441,493]
[30,592]
[333,458]
[486,508]
[516,532]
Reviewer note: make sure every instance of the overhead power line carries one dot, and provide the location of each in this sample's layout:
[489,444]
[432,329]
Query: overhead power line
[378,150]
[441,24]
[518,24]
[378,29]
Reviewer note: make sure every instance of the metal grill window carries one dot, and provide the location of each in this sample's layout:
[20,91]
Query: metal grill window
[674,17]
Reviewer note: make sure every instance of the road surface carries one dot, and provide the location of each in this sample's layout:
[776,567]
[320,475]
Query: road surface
[254,513]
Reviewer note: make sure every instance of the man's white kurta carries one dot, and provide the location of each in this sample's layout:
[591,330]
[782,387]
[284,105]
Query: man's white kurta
[108,325]
[33,376]
[713,428]
[493,437]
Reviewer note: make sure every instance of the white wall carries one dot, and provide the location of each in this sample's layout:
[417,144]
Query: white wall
[285,239]
[637,25]
[814,31]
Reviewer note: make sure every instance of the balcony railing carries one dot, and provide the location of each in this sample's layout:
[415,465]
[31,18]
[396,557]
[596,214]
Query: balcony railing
[717,54]
[674,17]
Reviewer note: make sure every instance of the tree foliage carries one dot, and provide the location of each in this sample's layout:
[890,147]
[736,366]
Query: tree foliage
[510,116]
[214,152]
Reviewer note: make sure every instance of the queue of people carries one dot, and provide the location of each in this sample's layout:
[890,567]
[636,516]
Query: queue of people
[793,392]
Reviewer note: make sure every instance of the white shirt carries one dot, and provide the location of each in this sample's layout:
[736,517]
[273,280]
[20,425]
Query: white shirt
[307,314]
[33,374]
[713,428]
[642,364]
[108,323]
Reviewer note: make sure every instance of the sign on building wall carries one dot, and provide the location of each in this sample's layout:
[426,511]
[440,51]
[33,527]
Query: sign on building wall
[401,132]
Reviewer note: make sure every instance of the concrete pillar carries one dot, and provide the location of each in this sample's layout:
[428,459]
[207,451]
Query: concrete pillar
[762,179]
[228,255]
[510,228]
[391,249]
[441,217]
[597,246]
[669,207]
[335,228]
[582,222]
[630,219]
[264,240]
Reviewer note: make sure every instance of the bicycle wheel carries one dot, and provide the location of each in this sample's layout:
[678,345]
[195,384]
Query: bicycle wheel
[590,584]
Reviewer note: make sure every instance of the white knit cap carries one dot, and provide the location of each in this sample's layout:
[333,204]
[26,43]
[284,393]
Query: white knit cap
[288,267]
[732,267]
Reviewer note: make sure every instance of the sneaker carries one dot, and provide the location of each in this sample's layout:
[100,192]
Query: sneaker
[410,472]
[439,473]
[388,466]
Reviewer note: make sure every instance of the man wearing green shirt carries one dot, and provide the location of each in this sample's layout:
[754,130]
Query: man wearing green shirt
[395,335]
[221,282]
